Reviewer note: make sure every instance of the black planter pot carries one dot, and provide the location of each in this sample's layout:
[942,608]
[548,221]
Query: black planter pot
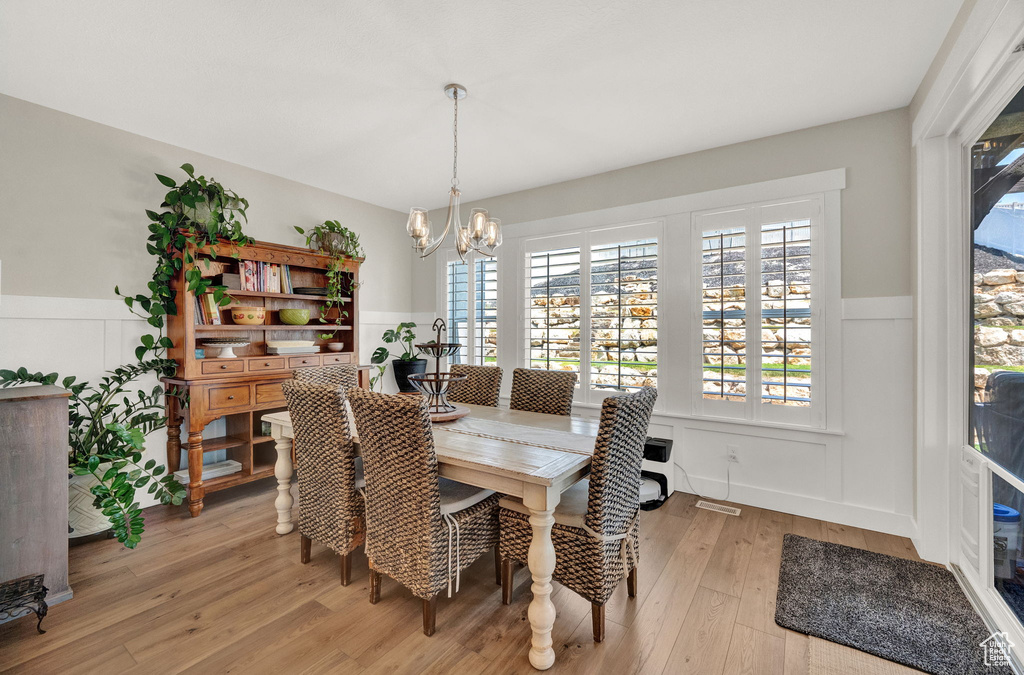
[403,369]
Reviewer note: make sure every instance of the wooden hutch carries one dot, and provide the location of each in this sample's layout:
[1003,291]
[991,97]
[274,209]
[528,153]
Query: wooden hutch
[241,389]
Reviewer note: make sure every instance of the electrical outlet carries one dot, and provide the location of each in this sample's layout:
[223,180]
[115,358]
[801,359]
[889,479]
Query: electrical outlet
[731,454]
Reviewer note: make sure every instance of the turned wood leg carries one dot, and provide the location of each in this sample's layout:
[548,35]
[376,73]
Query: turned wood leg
[283,473]
[597,614]
[346,569]
[497,565]
[374,586]
[429,615]
[196,491]
[541,559]
[173,433]
[631,583]
[305,546]
[507,571]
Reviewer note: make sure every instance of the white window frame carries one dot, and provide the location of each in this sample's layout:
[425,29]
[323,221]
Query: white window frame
[675,288]
[449,256]
[584,240]
[750,218]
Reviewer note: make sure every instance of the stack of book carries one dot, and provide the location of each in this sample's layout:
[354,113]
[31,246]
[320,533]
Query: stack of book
[207,311]
[291,347]
[265,277]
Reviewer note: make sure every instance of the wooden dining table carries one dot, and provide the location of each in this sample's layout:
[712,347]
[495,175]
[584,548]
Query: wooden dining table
[529,455]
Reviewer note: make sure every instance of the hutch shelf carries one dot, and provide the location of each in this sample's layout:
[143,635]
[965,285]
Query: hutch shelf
[243,388]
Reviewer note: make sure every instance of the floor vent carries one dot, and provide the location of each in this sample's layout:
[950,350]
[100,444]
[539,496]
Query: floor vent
[728,510]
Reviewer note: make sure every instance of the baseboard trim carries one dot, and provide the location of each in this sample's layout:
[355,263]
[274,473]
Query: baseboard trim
[800,505]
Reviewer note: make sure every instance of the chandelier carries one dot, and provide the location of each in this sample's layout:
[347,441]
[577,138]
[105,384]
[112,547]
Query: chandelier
[481,234]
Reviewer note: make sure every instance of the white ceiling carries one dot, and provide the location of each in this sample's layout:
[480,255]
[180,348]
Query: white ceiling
[347,96]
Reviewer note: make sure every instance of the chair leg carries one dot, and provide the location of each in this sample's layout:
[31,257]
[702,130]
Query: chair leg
[497,565]
[305,545]
[374,586]
[597,614]
[429,615]
[507,570]
[631,583]
[346,569]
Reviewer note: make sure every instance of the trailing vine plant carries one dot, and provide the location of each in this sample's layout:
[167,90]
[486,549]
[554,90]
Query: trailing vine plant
[333,239]
[107,426]
[197,213]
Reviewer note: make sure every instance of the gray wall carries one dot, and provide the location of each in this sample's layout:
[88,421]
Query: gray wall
[73,195]
[875,204]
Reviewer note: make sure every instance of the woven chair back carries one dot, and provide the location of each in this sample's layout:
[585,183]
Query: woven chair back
[543,391]
[330,508]
[344,376]
[614,496]
[403,505]
[481,386]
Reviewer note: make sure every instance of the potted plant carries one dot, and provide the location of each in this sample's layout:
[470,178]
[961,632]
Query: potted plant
[107,426]
[404,365]
[197,213]
[334,239]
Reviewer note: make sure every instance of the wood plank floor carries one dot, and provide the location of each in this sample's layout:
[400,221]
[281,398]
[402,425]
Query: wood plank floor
[223,594]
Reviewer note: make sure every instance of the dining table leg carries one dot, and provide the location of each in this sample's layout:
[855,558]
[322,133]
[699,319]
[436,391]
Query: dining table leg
[283,473]
[541,502]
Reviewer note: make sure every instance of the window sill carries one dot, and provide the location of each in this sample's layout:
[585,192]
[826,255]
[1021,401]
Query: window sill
[717,423]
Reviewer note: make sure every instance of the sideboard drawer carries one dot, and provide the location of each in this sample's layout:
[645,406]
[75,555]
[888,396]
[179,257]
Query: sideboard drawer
[304,361]
[269,393]
[225,398]
[223,366]
[336,358]
[266,364]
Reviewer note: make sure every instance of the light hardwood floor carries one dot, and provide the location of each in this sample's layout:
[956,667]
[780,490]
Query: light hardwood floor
[223,593]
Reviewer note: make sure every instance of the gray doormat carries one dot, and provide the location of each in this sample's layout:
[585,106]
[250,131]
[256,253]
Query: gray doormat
[904,611]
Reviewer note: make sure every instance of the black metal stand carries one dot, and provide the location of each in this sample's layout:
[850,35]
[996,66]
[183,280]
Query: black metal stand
[435,385]
[20,596]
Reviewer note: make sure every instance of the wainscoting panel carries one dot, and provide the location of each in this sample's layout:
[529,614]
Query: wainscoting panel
[85,338]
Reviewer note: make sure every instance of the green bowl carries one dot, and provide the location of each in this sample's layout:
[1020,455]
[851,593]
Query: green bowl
[294,317]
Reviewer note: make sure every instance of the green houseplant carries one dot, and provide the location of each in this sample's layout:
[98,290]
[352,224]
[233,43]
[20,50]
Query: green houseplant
[337,241]
[107,421]
[197,213]
[107,426]
[405,364]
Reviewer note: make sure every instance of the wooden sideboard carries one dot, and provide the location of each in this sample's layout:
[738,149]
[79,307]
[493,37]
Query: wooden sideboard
[34,486]
[240,389]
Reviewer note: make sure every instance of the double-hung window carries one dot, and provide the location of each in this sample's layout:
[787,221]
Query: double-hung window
[760,337]
[591,307]
[471,299]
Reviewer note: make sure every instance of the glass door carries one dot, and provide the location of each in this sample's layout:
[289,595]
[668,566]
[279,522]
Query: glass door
[996,381]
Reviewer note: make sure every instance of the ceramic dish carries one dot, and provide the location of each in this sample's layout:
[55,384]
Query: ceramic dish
[248,316]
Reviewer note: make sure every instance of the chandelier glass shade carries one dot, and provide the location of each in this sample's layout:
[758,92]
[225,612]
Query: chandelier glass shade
[481,233]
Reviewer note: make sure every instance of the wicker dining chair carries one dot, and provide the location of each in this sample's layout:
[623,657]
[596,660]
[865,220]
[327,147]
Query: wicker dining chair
[421,530]
[596,533]
[481,386]
[344,376]
[331,509]
[543,391]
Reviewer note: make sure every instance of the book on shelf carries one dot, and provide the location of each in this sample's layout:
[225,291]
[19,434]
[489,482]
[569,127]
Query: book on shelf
[264,277]
[286,279]
[200,316]
[207,310]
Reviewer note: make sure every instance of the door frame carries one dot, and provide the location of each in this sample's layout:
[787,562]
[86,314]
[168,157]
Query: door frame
[982,68]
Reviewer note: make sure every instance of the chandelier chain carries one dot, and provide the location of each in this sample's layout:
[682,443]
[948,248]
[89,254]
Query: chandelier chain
[455,133]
